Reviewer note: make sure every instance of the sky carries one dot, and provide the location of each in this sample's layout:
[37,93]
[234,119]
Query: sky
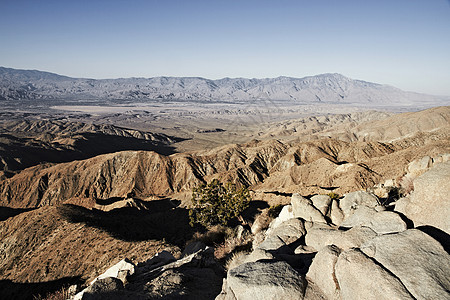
[404,43]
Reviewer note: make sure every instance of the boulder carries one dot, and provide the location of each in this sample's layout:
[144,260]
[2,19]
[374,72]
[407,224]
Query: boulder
[285,214]
[352,201]
[381,222]
[303,208]
[319,237]
[103,288]
[226,293]
[303,249]
[108,281]
[274,244]
[192,248]
[322,203]
[359,277]
[120,270]
[321,271]
[429,204]
[289,231]
[169,284]
[258,239]
[160,259]
[313,292]
[336,214]
[419,166]
[266,279]
[418,260]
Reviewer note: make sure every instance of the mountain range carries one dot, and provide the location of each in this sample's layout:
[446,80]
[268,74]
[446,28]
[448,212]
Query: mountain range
[325,88]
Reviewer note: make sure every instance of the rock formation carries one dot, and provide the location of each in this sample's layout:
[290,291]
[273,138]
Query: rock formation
[373,255]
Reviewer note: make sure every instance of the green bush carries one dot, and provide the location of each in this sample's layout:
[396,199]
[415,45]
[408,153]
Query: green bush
[333,196]
[215,203]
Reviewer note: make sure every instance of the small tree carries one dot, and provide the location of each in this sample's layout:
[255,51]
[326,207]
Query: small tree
[216,203]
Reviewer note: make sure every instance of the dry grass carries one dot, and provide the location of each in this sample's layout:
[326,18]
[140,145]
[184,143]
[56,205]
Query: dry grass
[225,240]
[215,235]
[62,294]
[234,258]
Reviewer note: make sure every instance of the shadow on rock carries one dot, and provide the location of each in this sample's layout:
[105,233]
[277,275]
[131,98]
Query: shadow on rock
[442,237]
[131,224]
[253,209]
[25,291]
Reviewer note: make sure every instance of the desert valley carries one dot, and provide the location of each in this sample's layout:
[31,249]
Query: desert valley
[348,180]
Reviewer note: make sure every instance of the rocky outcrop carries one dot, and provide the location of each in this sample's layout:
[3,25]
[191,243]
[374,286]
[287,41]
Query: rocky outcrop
[195,276]
[373,255]
[304,208]
[353,201]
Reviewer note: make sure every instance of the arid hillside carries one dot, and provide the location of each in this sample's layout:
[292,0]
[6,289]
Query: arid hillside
[360,126]
[265,166]
[66,221]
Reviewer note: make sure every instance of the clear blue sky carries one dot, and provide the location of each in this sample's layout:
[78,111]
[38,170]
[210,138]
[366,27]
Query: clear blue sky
[405,43]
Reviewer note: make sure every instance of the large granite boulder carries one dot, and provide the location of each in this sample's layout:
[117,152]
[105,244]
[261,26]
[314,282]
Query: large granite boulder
[429,204]
[288,231]
[320,236]
[359,277]
[322,273]
[418,260]
[304,208]
[285,214]
[322,203]
[381,222]
[353,201]
[336,214]
[266,279]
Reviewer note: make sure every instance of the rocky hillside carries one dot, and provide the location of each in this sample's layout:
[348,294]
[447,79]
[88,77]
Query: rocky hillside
[325,88]
[269,168]
[362,251]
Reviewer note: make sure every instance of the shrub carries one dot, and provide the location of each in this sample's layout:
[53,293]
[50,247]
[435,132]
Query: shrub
[216,203]
[333,196]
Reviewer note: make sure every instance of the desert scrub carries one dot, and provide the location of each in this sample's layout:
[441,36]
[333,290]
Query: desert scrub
[333,196]
[217,203]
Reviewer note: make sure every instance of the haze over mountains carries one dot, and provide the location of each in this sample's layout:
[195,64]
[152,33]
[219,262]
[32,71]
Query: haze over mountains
[324,88]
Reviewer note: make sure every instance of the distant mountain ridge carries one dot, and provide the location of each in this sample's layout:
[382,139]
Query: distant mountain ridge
[325,88]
